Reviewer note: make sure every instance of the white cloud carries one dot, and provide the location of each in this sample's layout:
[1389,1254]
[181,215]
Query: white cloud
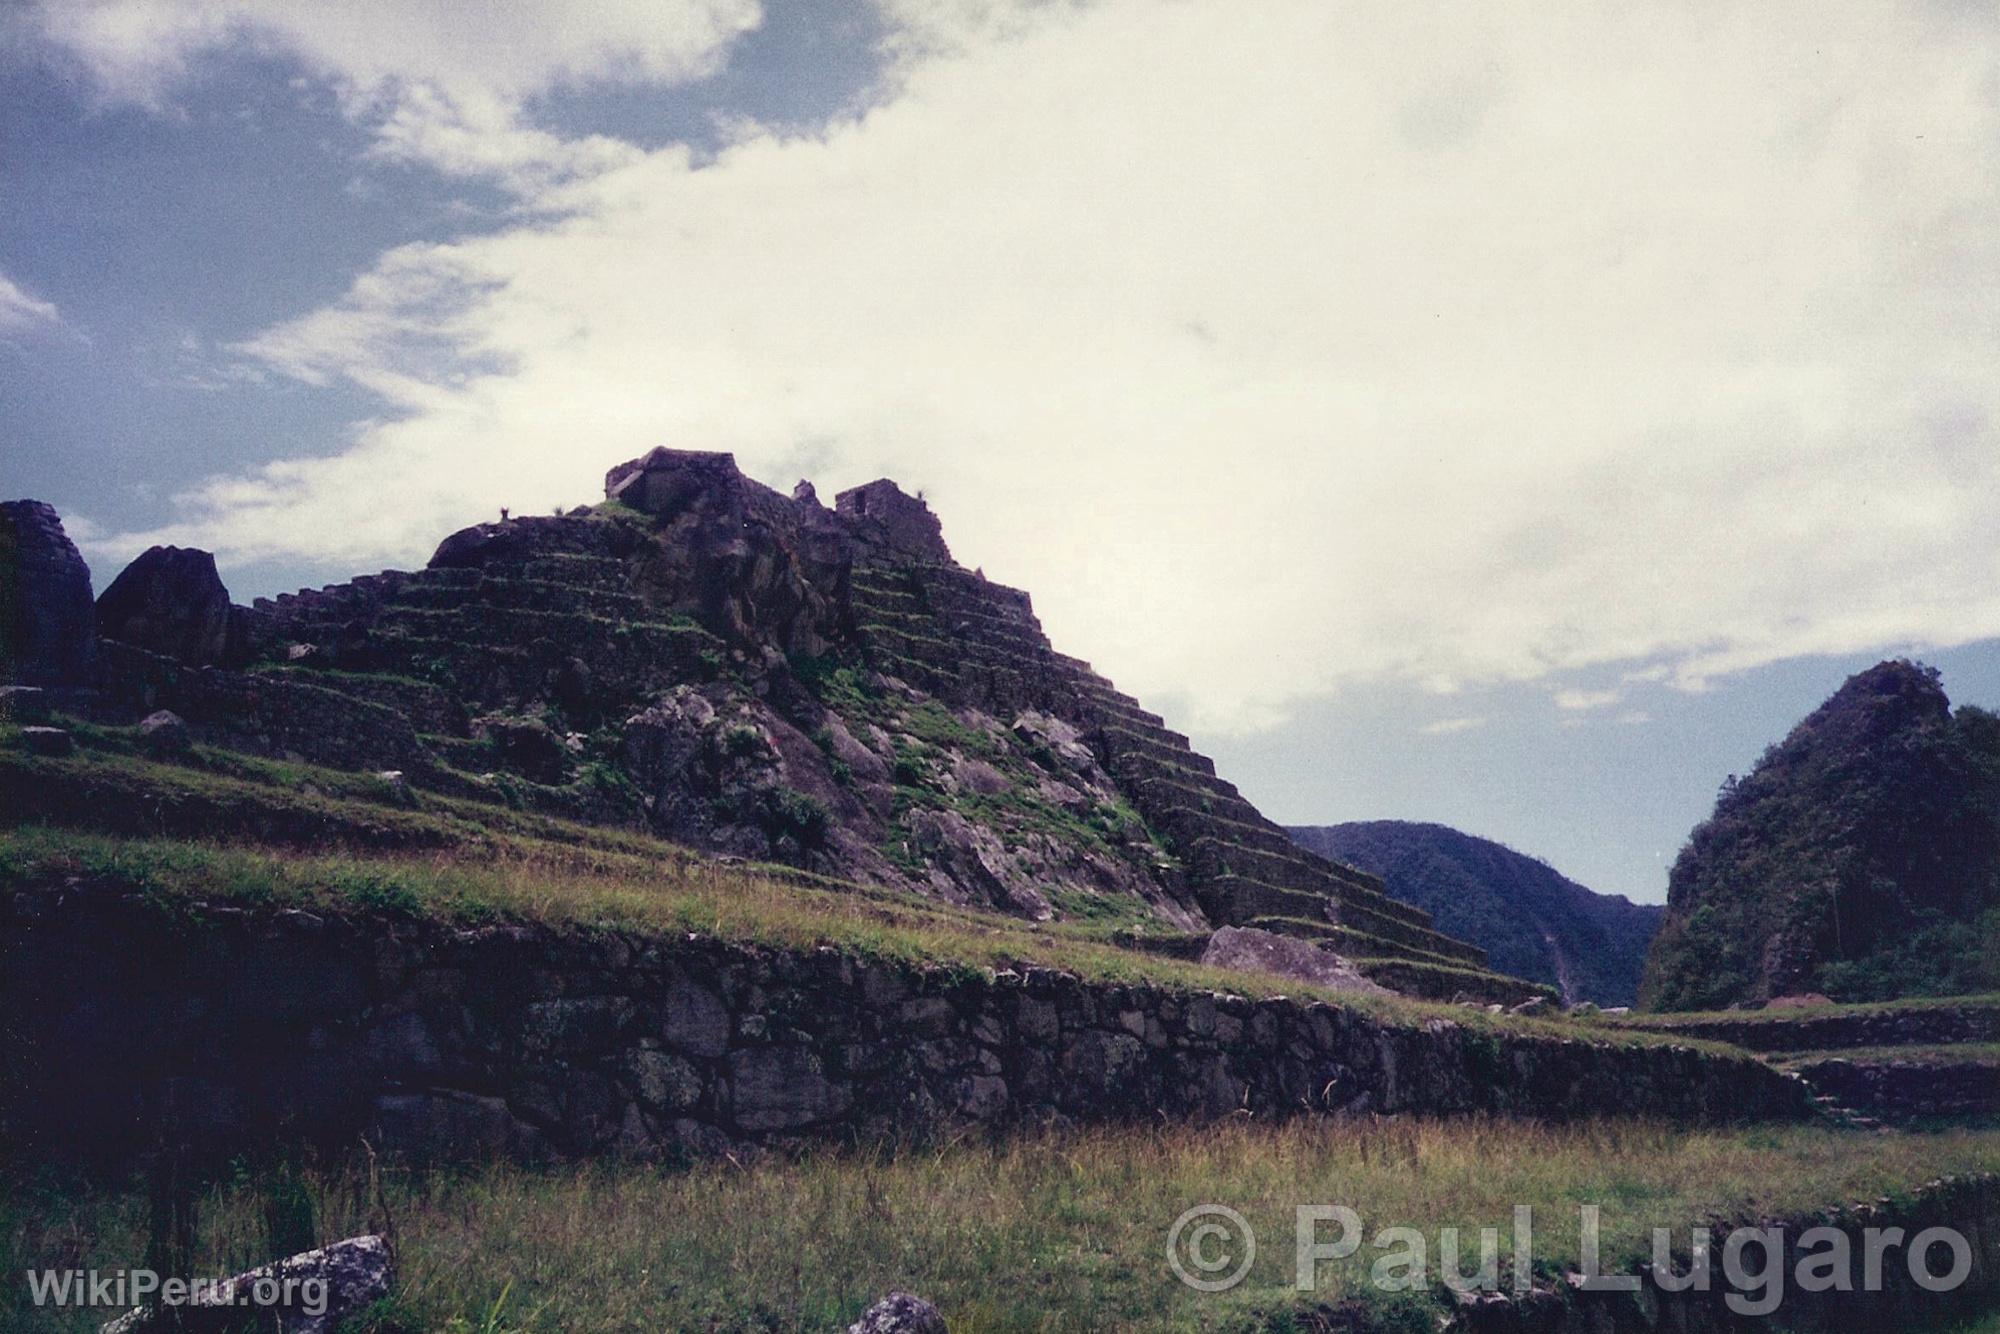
[1451,726]
[1580,700]
[443,80]
[1278,346]
[19,311]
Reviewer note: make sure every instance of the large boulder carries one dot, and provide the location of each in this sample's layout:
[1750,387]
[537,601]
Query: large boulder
[164,735]
[47,626]
[765,572]
[171,601]
[51,741]
[666,482]
[316,1292]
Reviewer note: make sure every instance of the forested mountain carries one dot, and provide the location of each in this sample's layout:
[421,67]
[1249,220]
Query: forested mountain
[1532,921]
[1860,858]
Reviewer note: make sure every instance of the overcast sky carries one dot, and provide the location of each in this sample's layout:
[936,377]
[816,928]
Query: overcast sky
[1513,414]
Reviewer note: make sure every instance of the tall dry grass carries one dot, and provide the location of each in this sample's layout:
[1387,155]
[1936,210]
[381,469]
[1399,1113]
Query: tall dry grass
[1054,1232]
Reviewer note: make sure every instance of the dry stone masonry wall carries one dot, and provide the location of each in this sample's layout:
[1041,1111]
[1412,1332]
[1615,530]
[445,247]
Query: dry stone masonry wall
[223,1025]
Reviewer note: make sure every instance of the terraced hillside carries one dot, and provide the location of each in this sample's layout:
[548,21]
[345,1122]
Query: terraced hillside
[1925,1062]
[760,676]
[978,645]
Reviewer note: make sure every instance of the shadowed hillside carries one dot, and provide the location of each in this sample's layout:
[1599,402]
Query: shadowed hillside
[1531,920]
[1860,858]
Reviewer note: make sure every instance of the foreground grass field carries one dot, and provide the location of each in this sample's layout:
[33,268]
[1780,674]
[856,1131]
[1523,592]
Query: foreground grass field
[1054,1233]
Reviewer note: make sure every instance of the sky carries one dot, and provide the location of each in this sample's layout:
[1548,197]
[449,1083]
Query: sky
[1514,415]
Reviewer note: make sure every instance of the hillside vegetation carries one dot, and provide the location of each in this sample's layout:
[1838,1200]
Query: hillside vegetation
[1859,858]
[1531,920]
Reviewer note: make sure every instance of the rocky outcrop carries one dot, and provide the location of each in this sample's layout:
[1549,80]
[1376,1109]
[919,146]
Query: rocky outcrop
[1860,858]
[437,1038]
[170,601]
[759,675]
[766,573]
[47,622]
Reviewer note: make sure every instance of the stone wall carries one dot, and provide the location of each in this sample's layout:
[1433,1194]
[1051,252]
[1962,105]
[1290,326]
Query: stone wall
[234,1024]
[1967,1205]
[1936,1087]
[271,713]
[1836,1030]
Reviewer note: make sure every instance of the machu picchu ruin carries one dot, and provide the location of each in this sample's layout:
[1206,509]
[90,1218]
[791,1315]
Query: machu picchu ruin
[999,667]
[759,676]
[707,824]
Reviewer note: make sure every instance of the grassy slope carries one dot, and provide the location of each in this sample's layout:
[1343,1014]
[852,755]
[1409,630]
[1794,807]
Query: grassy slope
[1060,1232]
[1967,1053]
[1682,1018]
[536,880]
[274,832]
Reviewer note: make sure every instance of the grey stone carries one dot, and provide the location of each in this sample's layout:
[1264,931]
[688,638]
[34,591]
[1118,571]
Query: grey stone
[663,1081]
[983,1097]
[163,733]
[900,1313]
[52,741]
[782,1088]
[351,1275]
[696,1021]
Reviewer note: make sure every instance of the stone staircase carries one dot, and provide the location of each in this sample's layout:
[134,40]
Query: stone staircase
[973,642]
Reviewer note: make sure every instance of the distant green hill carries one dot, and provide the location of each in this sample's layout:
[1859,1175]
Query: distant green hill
[1860,858]
[1532,921]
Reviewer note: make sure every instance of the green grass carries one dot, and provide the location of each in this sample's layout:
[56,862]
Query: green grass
[226,794]
[1057,1232]
[1962,1053]
[592,887]
[1670,1019]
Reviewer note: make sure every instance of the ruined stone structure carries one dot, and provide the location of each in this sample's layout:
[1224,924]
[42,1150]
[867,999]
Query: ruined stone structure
[760,675]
